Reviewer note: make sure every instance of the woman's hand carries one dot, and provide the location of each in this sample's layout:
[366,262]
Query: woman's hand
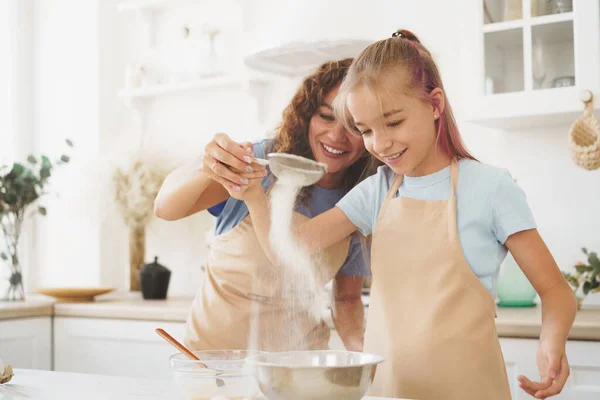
[232,165]
[554,370]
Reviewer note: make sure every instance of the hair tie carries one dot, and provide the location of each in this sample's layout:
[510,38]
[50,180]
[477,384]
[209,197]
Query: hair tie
[398,34]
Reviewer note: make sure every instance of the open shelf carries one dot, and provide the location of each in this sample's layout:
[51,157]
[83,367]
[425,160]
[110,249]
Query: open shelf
[151,5]
[198,85]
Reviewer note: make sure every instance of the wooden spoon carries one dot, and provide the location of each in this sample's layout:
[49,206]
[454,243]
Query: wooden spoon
[184,350]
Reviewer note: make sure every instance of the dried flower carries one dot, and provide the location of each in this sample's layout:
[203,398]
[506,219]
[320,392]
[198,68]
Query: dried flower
[136,185]
[6,372]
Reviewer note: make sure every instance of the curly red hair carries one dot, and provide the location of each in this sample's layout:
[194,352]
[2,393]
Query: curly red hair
[292,134]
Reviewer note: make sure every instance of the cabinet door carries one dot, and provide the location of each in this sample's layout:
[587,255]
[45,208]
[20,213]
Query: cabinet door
[524,62]
[584,358]
[26,343]
[519,357]
[113,347]
[584,382]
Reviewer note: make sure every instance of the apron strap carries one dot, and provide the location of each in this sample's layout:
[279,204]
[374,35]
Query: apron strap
[453,176]
[394,188]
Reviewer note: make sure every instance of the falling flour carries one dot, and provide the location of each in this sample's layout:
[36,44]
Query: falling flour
[288,297]
[299,275]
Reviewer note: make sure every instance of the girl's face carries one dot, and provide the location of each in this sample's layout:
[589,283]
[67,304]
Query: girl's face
[398,129]
[331,143]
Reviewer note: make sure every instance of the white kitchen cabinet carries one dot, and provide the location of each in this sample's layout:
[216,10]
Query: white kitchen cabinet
[525,62]
[584,358]
[113,347]
[26,342]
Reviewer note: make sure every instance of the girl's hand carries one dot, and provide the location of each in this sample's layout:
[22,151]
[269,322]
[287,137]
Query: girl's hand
[231,164]
[554,370]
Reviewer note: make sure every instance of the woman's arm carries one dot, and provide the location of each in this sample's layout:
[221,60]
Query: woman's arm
[186,191]
[558,310]
[348,311]
[205,182]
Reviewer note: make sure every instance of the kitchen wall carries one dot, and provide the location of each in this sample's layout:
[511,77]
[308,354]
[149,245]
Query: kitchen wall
[80,53]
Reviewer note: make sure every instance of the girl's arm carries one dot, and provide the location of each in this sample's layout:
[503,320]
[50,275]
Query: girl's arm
[316,234]
[558,311]
[205,182]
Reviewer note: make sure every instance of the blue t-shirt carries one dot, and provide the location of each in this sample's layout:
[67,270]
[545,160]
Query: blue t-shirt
[232,211]
[490,208]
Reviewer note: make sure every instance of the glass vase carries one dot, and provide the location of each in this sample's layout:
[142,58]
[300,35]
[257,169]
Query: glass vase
[15,290]
[514,289]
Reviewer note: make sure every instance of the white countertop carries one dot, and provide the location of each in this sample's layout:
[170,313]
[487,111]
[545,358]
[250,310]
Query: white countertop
[36,307]
[50,385]
[128,306]
[42,385]
[511,322]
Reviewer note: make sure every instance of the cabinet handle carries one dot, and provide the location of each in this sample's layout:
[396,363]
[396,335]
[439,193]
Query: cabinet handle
[586,96]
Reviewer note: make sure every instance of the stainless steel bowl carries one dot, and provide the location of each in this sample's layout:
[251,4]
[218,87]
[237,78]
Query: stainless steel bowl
[315,375]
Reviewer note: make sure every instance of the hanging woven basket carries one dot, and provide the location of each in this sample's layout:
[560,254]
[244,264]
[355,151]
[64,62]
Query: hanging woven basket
[584,137]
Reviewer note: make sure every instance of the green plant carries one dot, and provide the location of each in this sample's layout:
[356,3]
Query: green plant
[586,276]
[21,186]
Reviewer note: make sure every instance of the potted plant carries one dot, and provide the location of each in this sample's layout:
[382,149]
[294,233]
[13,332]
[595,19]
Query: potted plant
[21,186]
[585,277]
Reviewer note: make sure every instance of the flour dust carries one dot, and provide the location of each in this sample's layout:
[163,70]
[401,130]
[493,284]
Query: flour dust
[284,321]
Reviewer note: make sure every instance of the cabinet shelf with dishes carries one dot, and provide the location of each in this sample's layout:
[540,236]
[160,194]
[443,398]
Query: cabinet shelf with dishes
[526,62]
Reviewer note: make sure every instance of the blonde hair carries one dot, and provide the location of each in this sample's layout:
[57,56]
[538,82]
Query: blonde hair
[402,56]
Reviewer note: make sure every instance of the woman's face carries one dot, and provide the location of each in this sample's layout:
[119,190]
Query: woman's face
[331,143]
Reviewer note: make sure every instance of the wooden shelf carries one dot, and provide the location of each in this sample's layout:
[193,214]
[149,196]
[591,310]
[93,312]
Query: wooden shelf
[298,59]
[198,85]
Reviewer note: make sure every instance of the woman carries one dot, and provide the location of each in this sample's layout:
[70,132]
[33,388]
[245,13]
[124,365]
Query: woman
[241,303]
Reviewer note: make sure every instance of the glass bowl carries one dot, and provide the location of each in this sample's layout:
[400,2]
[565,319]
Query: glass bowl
[227,376]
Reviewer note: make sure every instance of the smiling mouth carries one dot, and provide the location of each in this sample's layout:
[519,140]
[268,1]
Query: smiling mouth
[395,156]
[332,150]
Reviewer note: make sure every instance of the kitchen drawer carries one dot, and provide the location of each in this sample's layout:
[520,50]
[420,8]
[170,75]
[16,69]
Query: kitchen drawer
[584,358]
[26,342]
[113,347]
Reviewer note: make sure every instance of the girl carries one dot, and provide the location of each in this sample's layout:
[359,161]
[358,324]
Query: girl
[240,291]
[442,223]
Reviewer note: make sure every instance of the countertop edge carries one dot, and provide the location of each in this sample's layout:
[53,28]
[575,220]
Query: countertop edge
[510,323]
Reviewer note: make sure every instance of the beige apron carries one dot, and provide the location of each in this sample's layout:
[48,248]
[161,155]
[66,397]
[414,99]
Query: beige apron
[429,315]
[242,303]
